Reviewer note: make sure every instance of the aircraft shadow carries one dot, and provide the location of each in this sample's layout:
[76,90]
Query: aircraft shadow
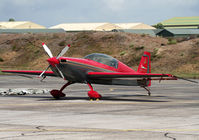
[104,98]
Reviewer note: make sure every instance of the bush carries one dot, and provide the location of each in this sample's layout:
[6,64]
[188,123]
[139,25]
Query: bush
[62,43]
[131,46]
[139,48]
[122,53]
[1,59]
[159,26]
[172,41]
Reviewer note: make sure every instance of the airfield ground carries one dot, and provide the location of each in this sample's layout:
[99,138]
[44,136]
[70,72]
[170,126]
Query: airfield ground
[172,112]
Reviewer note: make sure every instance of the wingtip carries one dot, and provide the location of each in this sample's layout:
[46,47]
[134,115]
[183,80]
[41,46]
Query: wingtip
[43,43]
[68,45]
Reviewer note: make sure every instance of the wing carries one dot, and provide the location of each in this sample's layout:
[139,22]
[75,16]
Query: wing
[47,73]
[112,75]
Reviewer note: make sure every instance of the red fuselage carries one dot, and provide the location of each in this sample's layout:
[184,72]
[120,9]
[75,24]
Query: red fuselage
[76,69]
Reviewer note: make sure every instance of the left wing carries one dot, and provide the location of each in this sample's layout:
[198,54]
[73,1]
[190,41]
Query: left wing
[47,73]
[112,75]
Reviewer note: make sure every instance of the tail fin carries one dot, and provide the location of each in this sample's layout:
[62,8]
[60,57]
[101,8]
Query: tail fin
[145,63]
[145,66]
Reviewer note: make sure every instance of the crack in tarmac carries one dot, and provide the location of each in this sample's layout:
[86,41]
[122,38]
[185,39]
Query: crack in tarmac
[166,135]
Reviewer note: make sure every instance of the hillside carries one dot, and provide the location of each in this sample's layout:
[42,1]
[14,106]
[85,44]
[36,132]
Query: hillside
[24,51]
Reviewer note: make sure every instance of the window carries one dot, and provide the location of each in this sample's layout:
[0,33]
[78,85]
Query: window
[103,58]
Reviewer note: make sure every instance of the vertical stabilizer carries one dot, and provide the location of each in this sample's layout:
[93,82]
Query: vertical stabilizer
[145,67]
[145,63]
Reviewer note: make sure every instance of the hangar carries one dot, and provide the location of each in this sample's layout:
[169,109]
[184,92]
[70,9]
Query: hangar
[178,32]
[73,27]
[20,25]
[182,22]
[134,26]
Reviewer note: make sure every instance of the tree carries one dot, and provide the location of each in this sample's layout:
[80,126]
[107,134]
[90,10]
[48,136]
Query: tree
[159,26]
[11,20]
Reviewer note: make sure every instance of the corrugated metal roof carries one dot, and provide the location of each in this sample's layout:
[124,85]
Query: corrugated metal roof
[20,25]
[182,22]
[12,24]
[16,31]
[86,26]
[134,26]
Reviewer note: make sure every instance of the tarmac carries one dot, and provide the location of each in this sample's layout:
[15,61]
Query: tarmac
[171,112]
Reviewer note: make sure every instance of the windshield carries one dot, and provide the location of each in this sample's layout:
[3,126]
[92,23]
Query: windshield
[103,58]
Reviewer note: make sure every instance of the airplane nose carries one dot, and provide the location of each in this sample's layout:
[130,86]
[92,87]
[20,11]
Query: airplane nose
[53,61]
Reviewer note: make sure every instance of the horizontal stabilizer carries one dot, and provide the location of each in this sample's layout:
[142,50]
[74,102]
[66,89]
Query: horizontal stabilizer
[131,75]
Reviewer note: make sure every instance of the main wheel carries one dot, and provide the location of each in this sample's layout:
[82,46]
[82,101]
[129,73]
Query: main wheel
[57,94]
[94,95]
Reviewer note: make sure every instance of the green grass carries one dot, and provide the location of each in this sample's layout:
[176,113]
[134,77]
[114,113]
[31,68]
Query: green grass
[122,53]
[172,41]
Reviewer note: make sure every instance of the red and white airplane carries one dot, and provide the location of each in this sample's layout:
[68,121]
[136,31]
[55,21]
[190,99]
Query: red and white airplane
[96,68]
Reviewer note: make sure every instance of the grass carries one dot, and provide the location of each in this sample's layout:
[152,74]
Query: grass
[172,41]
[131,46]
[187,75]
[122,53]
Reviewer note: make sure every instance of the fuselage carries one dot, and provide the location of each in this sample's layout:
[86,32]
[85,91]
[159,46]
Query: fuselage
[76,69]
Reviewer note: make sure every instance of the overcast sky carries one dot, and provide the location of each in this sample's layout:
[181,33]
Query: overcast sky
[53,12]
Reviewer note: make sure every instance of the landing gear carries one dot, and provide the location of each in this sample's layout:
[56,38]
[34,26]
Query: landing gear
[58,93]
[147,89]
[93,95]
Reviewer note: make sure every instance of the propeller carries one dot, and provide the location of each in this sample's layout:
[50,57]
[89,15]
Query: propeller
[63,51]
[54,60]
[47,50]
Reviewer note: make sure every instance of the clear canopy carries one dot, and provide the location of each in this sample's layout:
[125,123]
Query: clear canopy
[103,58]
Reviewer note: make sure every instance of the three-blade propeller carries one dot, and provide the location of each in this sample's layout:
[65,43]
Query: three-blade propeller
[53,59]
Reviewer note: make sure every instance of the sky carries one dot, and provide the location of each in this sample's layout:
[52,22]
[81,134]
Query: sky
[52,12]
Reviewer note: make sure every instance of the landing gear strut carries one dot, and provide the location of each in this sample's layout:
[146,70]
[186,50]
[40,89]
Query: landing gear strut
[93,94]
[147,89]
[58,93]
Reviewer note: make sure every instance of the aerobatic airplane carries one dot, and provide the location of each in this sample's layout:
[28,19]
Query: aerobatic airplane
[96,68]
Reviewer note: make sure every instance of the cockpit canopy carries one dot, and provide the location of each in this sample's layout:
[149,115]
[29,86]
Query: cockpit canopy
[103,58]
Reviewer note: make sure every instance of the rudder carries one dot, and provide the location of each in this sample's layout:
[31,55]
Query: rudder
[145,63]
[145,66]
